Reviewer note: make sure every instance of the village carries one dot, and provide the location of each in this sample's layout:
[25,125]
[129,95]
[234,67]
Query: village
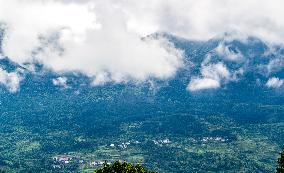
[61,161]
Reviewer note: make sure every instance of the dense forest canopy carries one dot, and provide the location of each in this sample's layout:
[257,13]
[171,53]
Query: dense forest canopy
[123,167]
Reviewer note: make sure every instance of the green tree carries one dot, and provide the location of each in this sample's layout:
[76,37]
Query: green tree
[119,167]
[280,168]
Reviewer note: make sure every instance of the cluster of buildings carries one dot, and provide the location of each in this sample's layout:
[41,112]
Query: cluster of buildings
[124,145]
[62,158]
[209,139]
[98,163]
[162,142]
[61,161]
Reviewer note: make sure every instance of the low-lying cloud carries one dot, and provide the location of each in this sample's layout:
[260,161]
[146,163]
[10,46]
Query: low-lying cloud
[107,39]
[212,75]
[274,82]
[197,84]
[60,82]
[11,80]
[91,38]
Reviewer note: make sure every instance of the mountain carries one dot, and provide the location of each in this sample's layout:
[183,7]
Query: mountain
[166,125]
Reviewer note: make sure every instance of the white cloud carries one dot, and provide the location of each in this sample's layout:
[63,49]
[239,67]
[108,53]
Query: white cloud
[60,81]
[92,38]
[102,38]
[224,51]
[215,71]
[275,65]
[274,82]
[203,83]
[211,77]
[101,79]
[10,80]
[204,19]
[27,20]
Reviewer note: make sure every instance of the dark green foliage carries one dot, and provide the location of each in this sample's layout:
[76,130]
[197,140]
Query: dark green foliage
[41,120]
[280,168]
[118,167]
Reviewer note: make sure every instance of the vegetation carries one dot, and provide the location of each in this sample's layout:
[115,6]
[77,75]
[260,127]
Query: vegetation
[119,167]
[280,168]
[235,129]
